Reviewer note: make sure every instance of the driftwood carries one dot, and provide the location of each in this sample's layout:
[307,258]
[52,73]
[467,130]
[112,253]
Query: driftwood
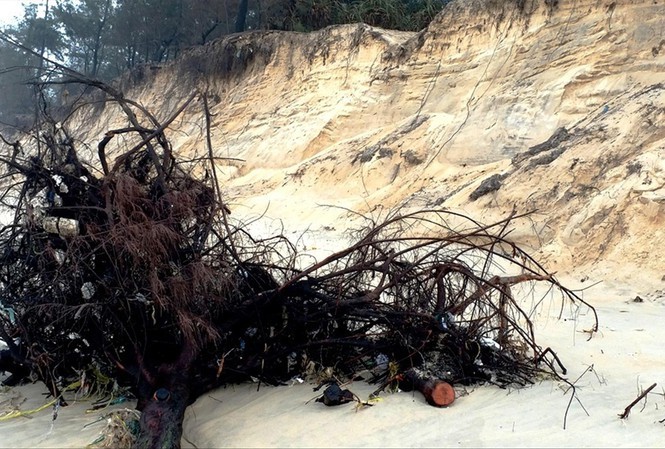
[437,392]
[627,410]
[136,273]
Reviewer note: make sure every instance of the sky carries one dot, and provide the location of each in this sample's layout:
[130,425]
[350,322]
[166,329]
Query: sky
[11,10]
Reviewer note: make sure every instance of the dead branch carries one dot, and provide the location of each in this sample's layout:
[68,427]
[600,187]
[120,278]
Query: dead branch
[626,412]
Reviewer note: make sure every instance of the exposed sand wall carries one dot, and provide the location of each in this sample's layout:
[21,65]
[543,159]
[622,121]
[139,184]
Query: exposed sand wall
[369,120]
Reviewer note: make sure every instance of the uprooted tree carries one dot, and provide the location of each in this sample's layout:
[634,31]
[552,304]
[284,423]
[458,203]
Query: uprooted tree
[130,274]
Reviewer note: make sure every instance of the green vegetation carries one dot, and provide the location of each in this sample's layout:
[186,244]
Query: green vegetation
[104,38]
[308,15]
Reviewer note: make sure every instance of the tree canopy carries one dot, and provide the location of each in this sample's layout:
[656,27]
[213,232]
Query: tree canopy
[104,38]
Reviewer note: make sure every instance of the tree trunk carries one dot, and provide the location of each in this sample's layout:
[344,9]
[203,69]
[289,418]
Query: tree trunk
[162,417]
[163,395]
[241,18]
[99,41]
[42,48]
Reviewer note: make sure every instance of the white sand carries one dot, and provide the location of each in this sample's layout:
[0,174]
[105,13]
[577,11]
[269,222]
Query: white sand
[623,357]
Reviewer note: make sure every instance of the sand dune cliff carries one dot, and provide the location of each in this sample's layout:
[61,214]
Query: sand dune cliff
[556,106]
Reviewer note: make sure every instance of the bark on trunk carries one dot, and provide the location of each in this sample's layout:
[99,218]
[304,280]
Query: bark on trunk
[437,392]
[162,417]
[164,394]
[241,17]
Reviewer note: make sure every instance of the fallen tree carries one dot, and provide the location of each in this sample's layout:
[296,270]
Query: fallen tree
[131,275]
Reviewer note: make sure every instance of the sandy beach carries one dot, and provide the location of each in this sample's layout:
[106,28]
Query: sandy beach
[609,371]
[376,121]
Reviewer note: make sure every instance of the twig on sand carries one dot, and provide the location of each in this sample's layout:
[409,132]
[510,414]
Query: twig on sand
[626,412]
